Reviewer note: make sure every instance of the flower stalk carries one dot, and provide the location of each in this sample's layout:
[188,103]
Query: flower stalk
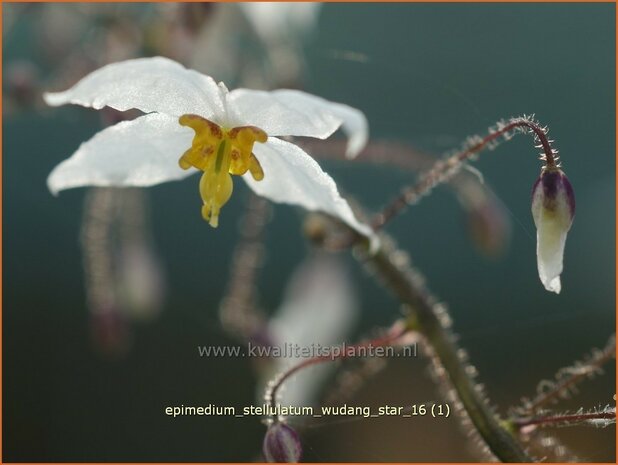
[391,337]
[444,170]
[427,317]
[553,199]
[604,417]
[423,317]
[567,378]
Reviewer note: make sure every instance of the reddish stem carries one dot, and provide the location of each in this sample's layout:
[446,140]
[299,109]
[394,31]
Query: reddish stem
[540,133]
[591,366]
[557,419]
[436,174]
[395,333]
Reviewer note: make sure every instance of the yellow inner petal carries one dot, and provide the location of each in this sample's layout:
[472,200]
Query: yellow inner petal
[219,153]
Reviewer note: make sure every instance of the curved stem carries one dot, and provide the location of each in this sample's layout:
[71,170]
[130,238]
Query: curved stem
[444,170]
[394,333]
[410,290]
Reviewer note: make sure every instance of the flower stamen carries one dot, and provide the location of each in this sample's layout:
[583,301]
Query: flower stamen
[219,153]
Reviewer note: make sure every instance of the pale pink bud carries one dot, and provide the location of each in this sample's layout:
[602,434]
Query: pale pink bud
[553,209]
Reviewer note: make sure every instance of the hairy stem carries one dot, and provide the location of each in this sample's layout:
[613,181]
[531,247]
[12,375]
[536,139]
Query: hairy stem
[409,287]
[394,333]
[567,378]
[478,200]
[444,170]
[567,419]
[238,312]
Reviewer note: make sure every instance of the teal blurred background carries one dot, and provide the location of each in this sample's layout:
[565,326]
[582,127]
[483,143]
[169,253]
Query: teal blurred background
[425,74]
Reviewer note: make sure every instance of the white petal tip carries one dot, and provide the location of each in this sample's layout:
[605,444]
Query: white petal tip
[356,144]
[553,285]
[52,185]
[54,99]
[350,154]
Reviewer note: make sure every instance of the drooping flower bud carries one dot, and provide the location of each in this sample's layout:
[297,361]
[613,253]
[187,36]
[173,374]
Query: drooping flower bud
[553,209]
[281,444]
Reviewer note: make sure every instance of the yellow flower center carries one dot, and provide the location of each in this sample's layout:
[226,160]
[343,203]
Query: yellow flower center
[220,152]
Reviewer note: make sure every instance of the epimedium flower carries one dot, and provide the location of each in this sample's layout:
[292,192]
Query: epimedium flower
[192,123]
[553,210]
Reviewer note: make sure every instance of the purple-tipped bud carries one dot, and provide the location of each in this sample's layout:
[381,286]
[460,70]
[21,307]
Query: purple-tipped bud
[281,444]
[553,209]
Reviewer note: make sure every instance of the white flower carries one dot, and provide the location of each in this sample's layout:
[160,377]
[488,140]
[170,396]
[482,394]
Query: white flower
[553,209]
[160,145]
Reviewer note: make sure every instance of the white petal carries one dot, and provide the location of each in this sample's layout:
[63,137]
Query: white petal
[291,176]
[148,84]
[295,113]
[142,152]
[550,240]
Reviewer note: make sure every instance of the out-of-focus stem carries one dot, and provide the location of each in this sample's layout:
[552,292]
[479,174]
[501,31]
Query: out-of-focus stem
[96,246]
[238,312]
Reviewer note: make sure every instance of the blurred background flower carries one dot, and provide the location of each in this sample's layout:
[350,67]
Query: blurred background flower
[319,310]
